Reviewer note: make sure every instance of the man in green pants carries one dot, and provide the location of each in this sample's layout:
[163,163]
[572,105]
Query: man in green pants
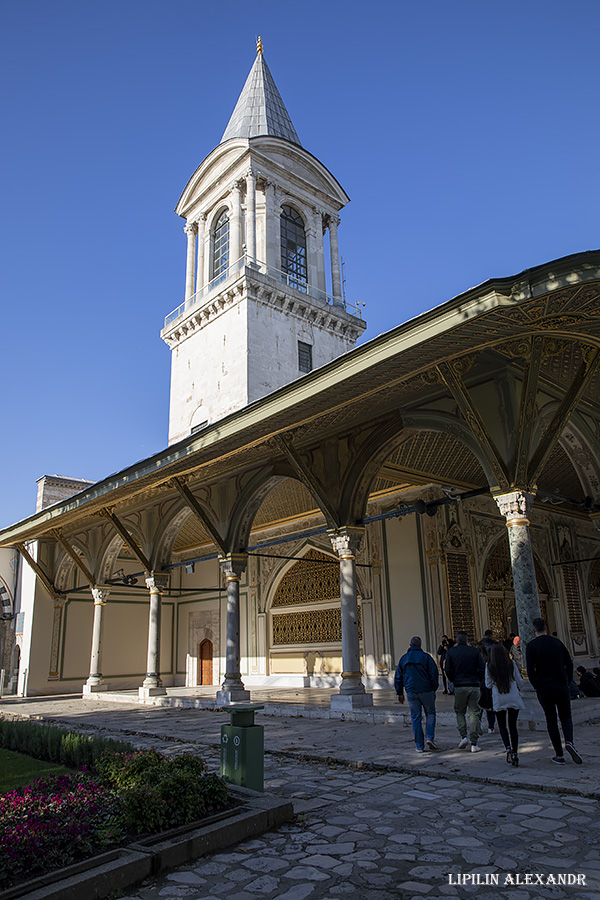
[466,670]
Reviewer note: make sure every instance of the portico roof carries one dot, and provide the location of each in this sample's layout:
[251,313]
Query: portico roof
[435,373]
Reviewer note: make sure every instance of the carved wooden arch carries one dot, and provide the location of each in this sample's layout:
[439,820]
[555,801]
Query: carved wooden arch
[250,500]
[167,535]
[111,547]
[581,446]
[65,565]
[300,550]
[357,485]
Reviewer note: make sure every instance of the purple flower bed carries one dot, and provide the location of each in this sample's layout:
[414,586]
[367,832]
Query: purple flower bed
[55,822]
[62,819]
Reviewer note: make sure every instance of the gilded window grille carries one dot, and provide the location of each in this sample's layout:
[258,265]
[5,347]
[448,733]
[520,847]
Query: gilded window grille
[573,598]
[314,578]
[459,594]
[497,617]
[316,626]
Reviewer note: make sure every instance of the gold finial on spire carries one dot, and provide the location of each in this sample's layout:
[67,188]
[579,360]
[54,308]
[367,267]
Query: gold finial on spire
[259,45]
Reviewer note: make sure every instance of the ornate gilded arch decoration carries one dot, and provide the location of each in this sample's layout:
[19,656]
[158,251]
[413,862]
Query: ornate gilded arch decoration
[66,564]
[311,580]
[246,506]
[168,534]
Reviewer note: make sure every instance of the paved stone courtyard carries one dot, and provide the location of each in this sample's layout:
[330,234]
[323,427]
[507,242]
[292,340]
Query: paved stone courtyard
[388,822]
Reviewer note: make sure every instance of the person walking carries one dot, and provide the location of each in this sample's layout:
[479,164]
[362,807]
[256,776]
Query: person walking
[442,651]
[465,668]
[502,675]
[485,700]
[417,674]
[550,671]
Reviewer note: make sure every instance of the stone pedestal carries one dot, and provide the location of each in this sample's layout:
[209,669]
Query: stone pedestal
[344,702]
[227,697]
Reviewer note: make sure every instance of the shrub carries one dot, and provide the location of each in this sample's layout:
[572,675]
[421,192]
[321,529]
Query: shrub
[56,744]
[61,819]
[159,793]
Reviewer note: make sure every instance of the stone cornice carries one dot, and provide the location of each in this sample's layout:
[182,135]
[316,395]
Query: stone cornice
[261,289]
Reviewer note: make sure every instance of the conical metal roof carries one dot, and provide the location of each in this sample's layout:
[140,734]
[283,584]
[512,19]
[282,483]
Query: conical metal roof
[260,109]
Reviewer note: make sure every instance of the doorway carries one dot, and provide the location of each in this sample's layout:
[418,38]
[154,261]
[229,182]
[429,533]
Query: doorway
[205,662]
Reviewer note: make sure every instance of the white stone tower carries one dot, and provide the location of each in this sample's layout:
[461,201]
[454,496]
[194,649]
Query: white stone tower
[257,313]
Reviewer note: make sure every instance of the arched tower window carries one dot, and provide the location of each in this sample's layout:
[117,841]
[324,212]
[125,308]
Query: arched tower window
[221,245]
[293,247]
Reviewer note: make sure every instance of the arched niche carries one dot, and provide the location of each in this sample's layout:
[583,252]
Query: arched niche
[304,628]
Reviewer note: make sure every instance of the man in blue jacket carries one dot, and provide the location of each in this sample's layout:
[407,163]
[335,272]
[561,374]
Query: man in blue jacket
[417,674]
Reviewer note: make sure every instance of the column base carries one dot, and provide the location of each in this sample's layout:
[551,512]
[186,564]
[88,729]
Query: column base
[94,688]
[227,697]
[350,701]
[151,691]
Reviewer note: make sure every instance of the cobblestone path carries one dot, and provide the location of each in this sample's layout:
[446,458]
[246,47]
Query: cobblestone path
[378,837]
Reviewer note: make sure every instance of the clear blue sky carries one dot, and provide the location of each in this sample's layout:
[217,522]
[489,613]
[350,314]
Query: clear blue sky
[466,134]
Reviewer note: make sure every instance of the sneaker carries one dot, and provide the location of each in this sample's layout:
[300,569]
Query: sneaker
[475,748]
[574,754]
[432,744]
[419,749]
[463,743]
[559,760]
[490,730]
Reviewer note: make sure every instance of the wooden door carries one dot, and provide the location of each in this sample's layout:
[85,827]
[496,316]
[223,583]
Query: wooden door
[205,662]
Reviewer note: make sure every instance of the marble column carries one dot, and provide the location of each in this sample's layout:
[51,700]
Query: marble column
[346,542]
[272,228]
[235,224]
[515,507]
[251,215]
[336,280]
[321,281]
[95,681]
[200,282]
[152,685]
[232,689]
[191,229]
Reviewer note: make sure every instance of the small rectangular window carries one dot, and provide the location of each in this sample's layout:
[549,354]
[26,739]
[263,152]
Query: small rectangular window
[305,362]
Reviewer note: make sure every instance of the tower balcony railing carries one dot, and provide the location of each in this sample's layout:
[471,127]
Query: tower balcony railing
[291,280]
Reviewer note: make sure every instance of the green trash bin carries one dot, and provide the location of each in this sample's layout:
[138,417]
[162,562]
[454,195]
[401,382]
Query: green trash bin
[243,747]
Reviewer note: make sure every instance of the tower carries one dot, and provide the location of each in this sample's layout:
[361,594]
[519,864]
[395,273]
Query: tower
[256,313]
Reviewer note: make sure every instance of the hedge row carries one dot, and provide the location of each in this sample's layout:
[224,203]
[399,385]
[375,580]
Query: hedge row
[57,745]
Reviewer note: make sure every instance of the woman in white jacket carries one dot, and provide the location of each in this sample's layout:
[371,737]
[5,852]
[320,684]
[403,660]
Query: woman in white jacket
[503,677]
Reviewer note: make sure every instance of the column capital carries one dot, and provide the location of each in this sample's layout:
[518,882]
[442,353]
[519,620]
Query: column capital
[157,582]
[346,541]
[191,228]
[100,596]
[332,219]
[515,506]
[236,186]
[233,565]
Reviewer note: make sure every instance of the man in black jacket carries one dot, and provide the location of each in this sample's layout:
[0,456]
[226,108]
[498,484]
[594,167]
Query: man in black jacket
[550,671]
[466,670]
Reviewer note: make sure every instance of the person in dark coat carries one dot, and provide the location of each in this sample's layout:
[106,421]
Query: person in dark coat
[417,674]
[588,683]
[550,671]
[466,670]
